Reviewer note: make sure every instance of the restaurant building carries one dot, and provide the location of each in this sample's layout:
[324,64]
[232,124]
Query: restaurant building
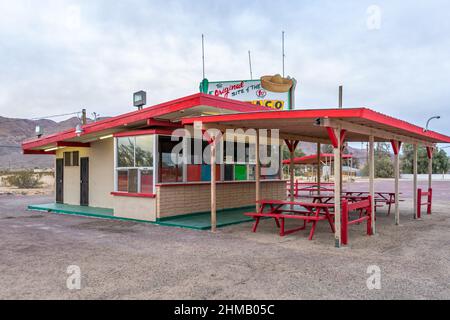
[125,164]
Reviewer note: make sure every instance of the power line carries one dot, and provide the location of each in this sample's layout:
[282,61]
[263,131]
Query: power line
[56,116]
[4,146]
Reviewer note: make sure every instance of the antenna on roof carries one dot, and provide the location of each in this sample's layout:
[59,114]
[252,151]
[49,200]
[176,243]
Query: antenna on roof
[250,64]
[282,48]
[203,55]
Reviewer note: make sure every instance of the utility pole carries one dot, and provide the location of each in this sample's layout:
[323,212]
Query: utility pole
[282,47]
[83,117]
[203,55]
[250,64]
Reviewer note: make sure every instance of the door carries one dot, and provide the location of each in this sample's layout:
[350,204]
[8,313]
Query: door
[84,181]
[59,180]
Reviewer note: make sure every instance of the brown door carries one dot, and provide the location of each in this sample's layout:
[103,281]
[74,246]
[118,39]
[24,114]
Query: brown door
[84,181]
[59,180]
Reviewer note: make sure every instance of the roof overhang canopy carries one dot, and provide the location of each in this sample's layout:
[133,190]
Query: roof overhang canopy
[169,112]
[311,125]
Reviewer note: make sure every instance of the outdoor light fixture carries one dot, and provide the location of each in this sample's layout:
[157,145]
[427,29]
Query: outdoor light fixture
[78,130]
[428,122]
[39,131]
[51,149]
[139,99]
[106,137]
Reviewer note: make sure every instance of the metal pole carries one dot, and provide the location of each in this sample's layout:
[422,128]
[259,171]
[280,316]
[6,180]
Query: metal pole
[430,170]
[282,45]
[250,64]
[337,191]
[397,184]
[213,187]
[291,170]
[318,168]
[257,173]
[372,180]
[203,55]
[415,180]
[83,117]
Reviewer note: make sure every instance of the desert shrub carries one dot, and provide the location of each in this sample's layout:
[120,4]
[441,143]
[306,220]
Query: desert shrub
[24,180]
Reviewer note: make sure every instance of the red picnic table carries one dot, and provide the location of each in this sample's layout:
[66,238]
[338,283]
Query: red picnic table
[387,198]
[280,210]
[310,187]
[380,197]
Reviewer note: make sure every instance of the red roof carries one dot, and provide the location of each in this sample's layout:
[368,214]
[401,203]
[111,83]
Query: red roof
[312,159]
[138,118]
[300,122]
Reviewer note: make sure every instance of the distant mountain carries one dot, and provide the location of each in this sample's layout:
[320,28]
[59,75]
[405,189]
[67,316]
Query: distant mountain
[360,154]
[14,131]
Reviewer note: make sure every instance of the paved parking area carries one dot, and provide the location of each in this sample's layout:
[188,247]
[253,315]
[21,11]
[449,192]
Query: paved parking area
[124,260]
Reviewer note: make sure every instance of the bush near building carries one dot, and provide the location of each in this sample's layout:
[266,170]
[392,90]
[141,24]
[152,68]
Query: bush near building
[24,180]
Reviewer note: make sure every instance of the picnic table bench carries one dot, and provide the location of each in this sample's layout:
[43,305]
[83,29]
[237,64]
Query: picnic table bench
[387,198]
[280,210]
[381,198]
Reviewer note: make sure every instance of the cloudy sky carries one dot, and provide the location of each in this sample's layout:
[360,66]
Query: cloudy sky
[60,56]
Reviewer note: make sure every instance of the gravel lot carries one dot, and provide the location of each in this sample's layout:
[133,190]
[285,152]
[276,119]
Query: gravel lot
[126,260]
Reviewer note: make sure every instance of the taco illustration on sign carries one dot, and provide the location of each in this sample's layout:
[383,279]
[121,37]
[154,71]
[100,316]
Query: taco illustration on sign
[276,83]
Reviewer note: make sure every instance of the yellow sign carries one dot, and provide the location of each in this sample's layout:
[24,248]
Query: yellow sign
[274,104]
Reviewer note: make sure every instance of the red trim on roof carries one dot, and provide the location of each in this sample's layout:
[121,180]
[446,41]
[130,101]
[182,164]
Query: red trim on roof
[198,99]
[73,144]
[39,152]
[134,133]
[362,113]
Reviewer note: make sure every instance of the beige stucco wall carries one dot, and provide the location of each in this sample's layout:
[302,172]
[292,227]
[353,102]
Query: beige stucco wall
[101,174]
[71,183]
[135,208]
[175,200]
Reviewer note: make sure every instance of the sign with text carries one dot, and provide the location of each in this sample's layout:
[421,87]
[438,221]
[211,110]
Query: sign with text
[252,91]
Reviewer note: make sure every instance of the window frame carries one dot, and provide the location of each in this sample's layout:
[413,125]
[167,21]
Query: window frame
[134,167]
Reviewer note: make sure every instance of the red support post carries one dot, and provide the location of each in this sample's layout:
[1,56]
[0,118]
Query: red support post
[343,134]
[395,147]
[419,202]
[288,143]
[429,152]
[344,222]
[332,136]
[430,200]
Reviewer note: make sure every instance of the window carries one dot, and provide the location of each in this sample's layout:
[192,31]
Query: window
[67,159]
[169,170]
[135,164]
[75,158]
[72,159]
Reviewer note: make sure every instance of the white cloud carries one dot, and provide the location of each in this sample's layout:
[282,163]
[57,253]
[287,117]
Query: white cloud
[61,56]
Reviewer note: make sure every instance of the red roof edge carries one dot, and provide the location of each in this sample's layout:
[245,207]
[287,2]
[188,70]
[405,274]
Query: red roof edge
[187,102]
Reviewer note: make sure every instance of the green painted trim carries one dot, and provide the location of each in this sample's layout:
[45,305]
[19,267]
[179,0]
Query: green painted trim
[193,214]
[82,214]
[159,221]
[182,226]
